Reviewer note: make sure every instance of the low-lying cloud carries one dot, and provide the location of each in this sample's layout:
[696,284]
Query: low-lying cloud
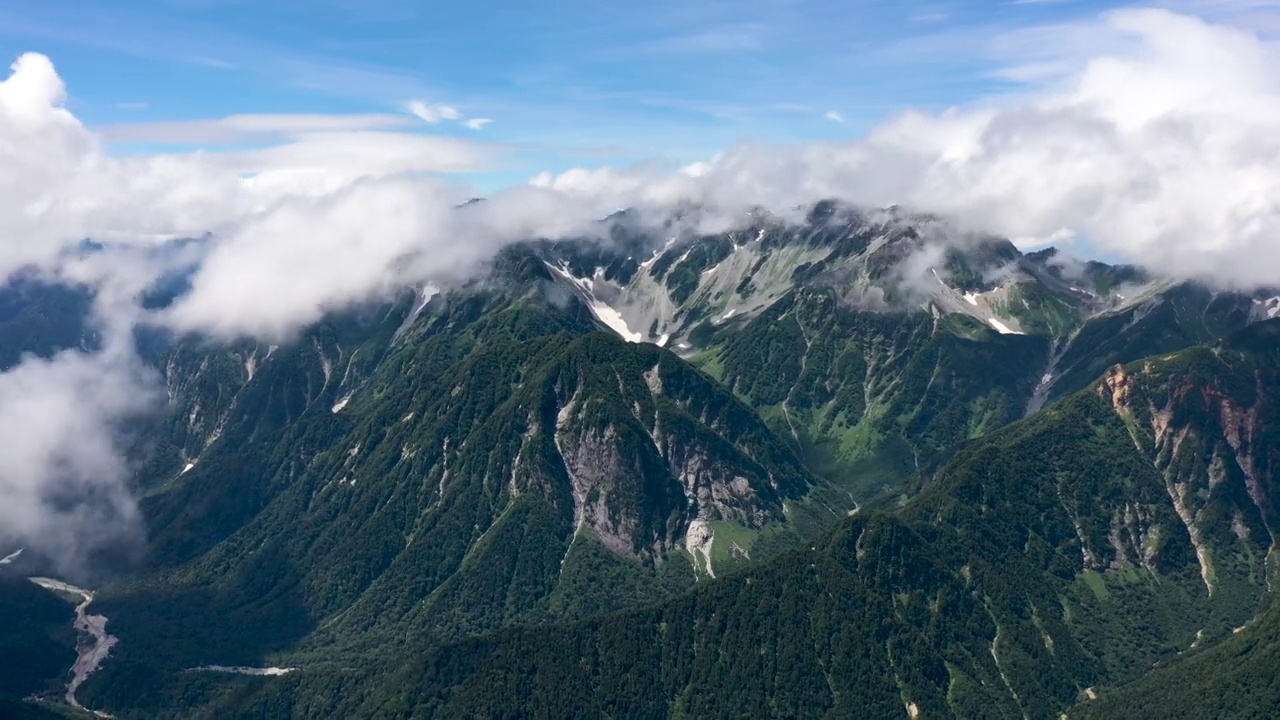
[1160,146]
[63,486]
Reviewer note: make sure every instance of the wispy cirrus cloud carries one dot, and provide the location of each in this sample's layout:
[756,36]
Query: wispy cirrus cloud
[212,62]
[432,114]
[243,128]
[731,38]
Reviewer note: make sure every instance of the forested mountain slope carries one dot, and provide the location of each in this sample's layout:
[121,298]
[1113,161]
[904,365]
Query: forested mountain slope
[1235,678]
[38,641]
[1048,560]
[497,462]
[504,495]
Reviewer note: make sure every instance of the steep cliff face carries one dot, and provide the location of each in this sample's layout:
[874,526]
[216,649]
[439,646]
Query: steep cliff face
[663,450]
[1207,418]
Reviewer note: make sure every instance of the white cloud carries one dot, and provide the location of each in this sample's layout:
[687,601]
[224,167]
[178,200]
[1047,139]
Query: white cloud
[306,256]
[432,113]
[63,484]
[477,123]
[928,18]
[834,116]
[353,154]
[1163,148]
[57,185]
[240,128]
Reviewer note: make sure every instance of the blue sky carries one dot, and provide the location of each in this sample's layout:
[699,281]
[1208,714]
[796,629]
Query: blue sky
[564,83]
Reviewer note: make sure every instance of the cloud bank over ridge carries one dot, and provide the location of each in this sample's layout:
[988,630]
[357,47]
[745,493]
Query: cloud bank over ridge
[1162,151]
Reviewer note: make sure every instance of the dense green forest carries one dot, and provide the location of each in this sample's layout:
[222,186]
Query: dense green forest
[37,638]
[1044,562]
[1235,678]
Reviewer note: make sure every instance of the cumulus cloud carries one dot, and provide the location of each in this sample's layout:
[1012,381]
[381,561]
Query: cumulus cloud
[477,123]
[310,255]
[1163,150]
[58,185]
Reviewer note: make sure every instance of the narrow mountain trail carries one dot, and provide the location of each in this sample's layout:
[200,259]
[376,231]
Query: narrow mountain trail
[93,644]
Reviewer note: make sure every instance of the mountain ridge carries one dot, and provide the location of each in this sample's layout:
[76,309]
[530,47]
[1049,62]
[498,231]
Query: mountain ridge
[1023,481]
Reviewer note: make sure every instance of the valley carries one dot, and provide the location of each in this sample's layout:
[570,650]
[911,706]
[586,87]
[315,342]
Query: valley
[94,644]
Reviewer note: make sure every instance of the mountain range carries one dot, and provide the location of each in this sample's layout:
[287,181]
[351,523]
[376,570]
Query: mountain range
[859,464]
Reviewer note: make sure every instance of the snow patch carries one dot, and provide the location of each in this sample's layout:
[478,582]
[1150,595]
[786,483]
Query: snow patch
[613,320]
[187,468]
[267,671]
[1002,328]
[11,557]
[662,341]
[971,298]
[425,294]
[342,403]
[1270,306]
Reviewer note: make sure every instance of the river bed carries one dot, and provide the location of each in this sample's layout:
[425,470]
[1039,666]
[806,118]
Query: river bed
[93,644]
